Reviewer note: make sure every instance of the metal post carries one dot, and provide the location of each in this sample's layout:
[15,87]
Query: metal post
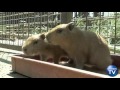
[115,32]
[66,17]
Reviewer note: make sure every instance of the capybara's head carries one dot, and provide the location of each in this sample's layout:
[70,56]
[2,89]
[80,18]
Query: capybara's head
[33,44]
[60,34]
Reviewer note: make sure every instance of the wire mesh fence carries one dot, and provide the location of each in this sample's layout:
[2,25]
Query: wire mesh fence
[17,26]
[107,24]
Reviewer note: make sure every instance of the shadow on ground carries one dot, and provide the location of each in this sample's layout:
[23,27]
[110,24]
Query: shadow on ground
[5,61]
[16,75]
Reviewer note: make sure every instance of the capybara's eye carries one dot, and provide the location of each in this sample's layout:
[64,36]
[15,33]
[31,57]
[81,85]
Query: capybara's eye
[35,42]
[59,30]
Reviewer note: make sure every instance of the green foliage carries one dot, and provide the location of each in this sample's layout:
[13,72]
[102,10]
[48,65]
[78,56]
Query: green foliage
[105,26]
[38,30]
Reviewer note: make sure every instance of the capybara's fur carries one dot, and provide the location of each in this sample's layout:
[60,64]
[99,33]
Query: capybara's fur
[36,45]
[82,46]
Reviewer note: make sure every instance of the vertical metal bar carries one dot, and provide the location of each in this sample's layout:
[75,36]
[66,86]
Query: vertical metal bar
[34,24]
[40,18]
[28,29]
[108,30]
[13,30]
[23,24]
[60,17]
[9,27]
[79,14]
[18,27]
[52,19]
[56,18]
[44,20]
[110,27]
[66,17]
[115,32]
[99,22]
[6,22]
[2,26]
[47,21]
[86,21]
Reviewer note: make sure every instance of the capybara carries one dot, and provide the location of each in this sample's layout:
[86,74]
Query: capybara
[36,45]
[84,47]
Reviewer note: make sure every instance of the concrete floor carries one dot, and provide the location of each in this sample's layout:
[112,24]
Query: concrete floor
[5,64]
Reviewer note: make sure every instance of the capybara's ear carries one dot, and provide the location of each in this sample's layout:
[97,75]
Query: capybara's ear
[70,26]
[42,36]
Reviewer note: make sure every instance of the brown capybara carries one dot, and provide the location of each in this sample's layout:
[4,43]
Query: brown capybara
[84,47]
[36,45]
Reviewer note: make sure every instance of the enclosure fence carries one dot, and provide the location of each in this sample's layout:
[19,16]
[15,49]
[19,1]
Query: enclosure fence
[15,27]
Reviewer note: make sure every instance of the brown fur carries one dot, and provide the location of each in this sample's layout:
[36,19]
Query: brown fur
[36,45]
[82,46]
